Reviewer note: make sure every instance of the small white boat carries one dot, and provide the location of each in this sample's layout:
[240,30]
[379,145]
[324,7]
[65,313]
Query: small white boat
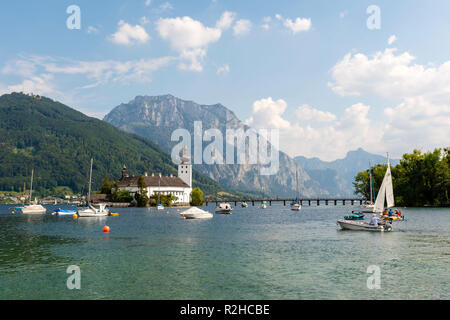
[224,208]
[363,226]
[102,211]
[196,213]
[90,211]
[263,205]
[244,204]
[33,208]
[160,207]
[296,205]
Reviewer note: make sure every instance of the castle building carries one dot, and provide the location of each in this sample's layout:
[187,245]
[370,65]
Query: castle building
[180,187]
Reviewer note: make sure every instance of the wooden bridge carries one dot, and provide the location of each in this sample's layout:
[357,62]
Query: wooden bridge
[309,201]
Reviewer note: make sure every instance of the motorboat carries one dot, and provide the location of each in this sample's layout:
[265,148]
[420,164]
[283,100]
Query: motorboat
[244,204]
[354,216]
[296,206]
[196,213]
[263,205]
[363,226]
[224,208]
[91,211]
[63,212]
[33,208]
[160,207]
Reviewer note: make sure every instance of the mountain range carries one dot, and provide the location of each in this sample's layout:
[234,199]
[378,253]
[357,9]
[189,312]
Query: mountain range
[156,117]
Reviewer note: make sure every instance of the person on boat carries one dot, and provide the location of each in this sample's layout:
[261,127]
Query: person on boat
[399,213]
[391,213]
[385,213]
[374,220]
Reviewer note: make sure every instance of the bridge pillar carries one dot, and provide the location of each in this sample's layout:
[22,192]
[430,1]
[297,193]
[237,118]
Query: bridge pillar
[309,202]
[360,202]
[253,203]
[326,202]
[335,202]
[270,202]
[318,202]
[284,202]
[343,202]
[353,202]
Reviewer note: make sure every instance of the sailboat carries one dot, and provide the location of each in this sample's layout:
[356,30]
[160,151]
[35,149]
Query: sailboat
[159,205]
[386,192]
[296,204]
[33,208]
[90,211]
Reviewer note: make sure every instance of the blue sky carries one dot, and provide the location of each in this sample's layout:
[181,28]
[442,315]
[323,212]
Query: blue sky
[268,67]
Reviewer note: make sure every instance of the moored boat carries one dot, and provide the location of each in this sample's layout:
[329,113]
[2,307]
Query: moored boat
[62,212]
[196,213]
[363,226]
[296,205]
[244,204]
[263,205]
[224,208]
[354,216]
[33,208]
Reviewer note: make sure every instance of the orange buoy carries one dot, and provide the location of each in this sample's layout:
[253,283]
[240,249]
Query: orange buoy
[183,217]
[75,216]
[106,229]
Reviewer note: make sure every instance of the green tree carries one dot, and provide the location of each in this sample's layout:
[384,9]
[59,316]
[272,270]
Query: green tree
[141,196]
[121,196]
[107,186]
[197,197]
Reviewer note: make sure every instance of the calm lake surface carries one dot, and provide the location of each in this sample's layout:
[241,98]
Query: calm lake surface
[252,254]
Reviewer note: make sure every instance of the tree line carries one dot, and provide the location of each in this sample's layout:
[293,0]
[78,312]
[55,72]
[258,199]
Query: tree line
[420,179]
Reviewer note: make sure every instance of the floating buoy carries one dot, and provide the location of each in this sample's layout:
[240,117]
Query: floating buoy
[106,229]
[184,218]
[75,216]
[13,212]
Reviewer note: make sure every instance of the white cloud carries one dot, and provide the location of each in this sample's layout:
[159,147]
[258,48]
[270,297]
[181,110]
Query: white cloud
[242,27]
[298,25]
[226,20]
[388,75]
[92,29]
[166,6]
[128,34]
[43,74]
[267,114]
[223,69]
[343,14]
[392,39]
[144,20]
[309,114]
[266,23]
[148,2]
[189,37]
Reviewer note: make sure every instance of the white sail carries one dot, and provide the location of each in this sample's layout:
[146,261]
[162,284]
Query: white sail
[386,191]
[389,188]
[379,202]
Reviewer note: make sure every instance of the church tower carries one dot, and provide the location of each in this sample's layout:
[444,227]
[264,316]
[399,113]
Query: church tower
[185,168]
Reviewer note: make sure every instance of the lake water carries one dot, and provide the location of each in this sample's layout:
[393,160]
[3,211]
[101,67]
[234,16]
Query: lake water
[252,254]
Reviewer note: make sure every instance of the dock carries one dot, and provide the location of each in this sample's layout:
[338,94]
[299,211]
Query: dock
[303,201]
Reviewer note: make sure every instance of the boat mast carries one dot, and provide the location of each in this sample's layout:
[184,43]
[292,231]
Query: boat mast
[90,181]
[31,185]
[296,180]
[370,182]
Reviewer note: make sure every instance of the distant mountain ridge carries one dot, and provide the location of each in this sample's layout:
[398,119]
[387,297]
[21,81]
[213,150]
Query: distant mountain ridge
[156,117]
[339,174]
